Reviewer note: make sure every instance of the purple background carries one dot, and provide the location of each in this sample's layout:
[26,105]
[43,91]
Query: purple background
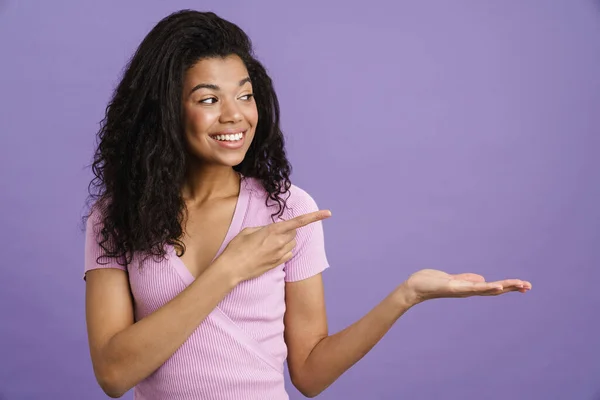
[460,135]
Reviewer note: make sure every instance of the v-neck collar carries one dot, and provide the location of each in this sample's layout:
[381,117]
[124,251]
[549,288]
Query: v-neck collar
[234,228]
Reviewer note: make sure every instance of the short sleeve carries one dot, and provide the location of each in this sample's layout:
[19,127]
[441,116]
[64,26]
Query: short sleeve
[309,257]
[93,251]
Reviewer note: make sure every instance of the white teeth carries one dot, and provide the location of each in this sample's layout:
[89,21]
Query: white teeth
[229,138]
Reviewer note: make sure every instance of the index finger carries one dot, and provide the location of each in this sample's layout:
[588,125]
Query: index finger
[301,220]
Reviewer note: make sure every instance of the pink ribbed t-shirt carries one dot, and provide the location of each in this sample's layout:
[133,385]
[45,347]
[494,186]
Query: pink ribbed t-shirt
[238,351]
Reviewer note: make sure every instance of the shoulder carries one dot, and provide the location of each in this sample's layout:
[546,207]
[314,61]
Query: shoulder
[95,217]
[300,202]
[297,200]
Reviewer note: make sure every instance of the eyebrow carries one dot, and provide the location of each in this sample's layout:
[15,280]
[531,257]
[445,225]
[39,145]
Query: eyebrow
[215,87]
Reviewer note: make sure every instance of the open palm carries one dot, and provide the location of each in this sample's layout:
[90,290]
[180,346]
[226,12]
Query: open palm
[430,284]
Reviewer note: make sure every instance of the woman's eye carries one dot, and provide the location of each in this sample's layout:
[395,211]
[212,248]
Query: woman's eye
[210,100]
[247,96]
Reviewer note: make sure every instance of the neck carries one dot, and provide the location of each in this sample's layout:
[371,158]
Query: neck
[205,183]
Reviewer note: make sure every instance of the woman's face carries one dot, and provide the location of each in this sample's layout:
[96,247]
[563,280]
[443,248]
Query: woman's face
[219,111]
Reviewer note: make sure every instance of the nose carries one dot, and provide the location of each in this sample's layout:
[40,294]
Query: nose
[230,112]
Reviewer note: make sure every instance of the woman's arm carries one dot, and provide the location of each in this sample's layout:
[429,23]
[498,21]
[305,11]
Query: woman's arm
[316,359]
[123,352]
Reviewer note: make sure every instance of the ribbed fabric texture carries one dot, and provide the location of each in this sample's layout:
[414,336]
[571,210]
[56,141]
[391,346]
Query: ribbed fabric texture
[238,351]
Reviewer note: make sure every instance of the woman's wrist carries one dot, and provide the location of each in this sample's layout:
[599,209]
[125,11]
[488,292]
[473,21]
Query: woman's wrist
[405,296]
[225,268]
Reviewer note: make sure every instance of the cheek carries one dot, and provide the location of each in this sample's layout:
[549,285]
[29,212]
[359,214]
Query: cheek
[198,120]
[252,115]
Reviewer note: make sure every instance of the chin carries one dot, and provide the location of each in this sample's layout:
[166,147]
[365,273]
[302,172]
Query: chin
[231,160]
[232,163]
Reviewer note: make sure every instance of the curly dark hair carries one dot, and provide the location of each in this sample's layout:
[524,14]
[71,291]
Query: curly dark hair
[140,161]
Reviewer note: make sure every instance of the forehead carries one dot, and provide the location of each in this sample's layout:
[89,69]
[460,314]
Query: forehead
[222,71]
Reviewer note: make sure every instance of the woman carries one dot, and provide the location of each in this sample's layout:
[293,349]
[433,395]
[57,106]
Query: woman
[203,262]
